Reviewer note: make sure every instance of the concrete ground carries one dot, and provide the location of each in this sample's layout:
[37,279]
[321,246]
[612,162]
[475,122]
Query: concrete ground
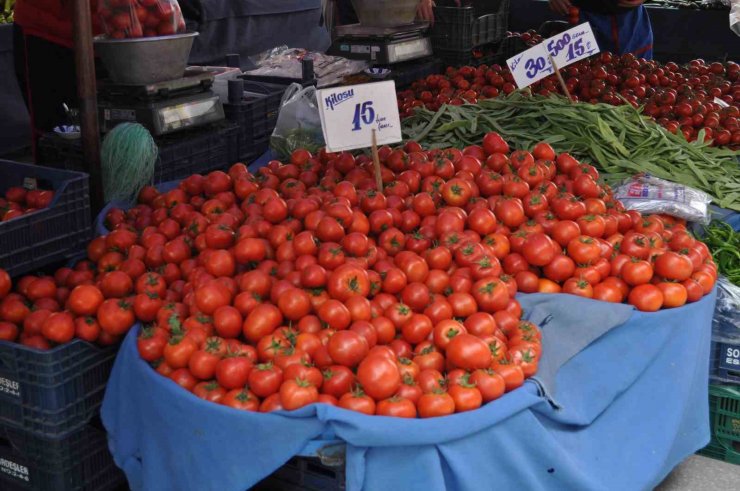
[699,473]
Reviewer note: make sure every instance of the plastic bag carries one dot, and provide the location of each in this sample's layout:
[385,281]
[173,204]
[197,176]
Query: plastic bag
[140,18]
[735,17]
[649,194]
[726,320]
[298,124]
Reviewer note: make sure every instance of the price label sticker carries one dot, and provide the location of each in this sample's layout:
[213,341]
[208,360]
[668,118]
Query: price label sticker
[349,114]
[572,45]
[565,48]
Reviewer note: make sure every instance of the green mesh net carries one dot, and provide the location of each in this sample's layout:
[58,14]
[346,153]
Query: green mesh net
[127,157]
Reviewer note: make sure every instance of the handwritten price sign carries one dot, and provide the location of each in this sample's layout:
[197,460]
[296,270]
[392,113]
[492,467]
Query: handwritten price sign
[565,48]
[350,114]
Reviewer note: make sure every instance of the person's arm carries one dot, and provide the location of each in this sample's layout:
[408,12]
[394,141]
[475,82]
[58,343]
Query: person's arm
[424,11]
[630,3]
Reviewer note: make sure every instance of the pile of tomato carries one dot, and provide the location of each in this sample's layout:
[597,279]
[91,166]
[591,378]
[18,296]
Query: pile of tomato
[19,201]
[689,98]
[303,283]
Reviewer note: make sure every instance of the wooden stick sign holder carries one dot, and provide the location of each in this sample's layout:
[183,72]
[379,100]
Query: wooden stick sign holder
[376,162]
[560,79]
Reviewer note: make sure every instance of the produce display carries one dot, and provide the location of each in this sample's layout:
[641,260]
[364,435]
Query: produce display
[305,284]
[618,140]
[690,4]
[19,201]
[685,99]
[6,14]
[123,19]
[724,244]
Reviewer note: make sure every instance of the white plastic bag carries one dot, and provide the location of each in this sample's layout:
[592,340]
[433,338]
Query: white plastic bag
[735,17]
[649,194]
[298,124]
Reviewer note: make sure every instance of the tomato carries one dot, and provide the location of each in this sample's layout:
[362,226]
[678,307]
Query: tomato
[232,371]
[59,327]
[539,249]
[335,314]
[512,374]
[263,320]
[338,380]
[347,348]
[5,283]
[646,297]
[210,391]
[705,279]
[637,272]
[445,331]
[417,328]
[584,249]
[211,296]
[673,266]
[456,192]
[465,395]
[178,351]
[433,404]
[674,294]
[348,280]
[607,292]
[491,295]
[358,401]
[636,245]
[241,399]
[379,377]
[490,384]
[580,287]
[115,316]
[468,352]
[8,331]
[84,300]
[396,406]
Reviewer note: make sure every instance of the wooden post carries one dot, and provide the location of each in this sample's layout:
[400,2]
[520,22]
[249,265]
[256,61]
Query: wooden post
[86,91]
[376,163]
[560,78]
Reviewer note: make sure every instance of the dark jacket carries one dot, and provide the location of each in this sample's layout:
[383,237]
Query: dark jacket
[601,6]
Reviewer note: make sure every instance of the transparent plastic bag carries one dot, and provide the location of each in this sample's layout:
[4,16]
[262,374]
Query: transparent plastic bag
[726,320]
[735,17]
[298,124]
[649,194]
[123,19]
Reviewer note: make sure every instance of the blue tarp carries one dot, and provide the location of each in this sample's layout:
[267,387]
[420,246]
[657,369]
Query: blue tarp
[632,405]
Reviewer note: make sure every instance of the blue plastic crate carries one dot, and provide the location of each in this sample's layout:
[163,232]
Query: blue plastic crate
[49,235]
[52,393]
[81,461]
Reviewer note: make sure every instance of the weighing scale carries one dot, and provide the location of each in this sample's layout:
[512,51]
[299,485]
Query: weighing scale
[382,45]
[162,107]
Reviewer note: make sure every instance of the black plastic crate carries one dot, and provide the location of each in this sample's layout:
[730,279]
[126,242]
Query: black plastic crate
[305,474]
[52,393]
[463,28]
[256,116]
[404,74]
[197,150]
[81,461]
[49,235]
[724,361]
[483,55]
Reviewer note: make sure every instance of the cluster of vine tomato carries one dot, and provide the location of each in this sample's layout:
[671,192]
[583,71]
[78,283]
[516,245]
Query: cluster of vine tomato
[689,98]
[302,283]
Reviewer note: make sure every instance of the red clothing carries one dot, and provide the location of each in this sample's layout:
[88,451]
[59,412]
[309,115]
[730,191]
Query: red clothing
[51,19]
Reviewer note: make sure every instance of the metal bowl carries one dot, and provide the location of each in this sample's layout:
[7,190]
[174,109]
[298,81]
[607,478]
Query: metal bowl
[143,61]
[385,13]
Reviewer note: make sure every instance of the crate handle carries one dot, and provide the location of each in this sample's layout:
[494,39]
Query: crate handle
[332,455]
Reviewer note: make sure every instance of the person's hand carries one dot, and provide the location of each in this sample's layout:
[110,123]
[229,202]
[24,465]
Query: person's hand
[424,10]
[560,6]
[630,3]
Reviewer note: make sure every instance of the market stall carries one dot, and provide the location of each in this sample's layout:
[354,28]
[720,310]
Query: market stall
[465,277]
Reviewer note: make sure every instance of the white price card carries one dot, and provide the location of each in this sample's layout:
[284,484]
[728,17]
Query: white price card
[565,48]
[572,45]
[350,113]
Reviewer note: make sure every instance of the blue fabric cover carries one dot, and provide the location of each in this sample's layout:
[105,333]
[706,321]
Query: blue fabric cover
[633,404]
[630,32]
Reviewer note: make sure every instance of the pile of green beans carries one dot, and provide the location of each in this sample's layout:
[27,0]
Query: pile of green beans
[724,243]
[618,140]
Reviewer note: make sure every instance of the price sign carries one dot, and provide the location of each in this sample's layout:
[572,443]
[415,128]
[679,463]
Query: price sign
[349,115]
[565,48]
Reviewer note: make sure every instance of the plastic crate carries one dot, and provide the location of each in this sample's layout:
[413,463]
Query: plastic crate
[483,55]
[404,74]
[256,116]
[305,474]
[724,361]
[726,451]
[55,392]
[197,150]
[80,461]
[463,28]
[48,235]
[724,407]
